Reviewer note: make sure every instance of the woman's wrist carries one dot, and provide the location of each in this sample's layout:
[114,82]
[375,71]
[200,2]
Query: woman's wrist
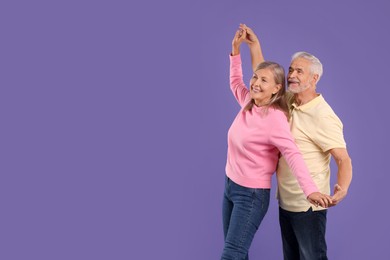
[235,50]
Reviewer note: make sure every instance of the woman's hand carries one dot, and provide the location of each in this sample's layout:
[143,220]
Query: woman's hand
[239,38]
[319,199]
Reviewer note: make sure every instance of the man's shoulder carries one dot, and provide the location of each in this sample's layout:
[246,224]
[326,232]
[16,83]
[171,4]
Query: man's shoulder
[323,109]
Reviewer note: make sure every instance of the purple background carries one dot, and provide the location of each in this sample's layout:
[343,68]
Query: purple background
[114,118]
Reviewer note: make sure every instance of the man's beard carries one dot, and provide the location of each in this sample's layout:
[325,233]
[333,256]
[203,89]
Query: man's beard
[299,89]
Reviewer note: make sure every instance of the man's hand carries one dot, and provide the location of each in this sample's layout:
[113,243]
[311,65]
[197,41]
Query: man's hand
[251,37]
[339,195]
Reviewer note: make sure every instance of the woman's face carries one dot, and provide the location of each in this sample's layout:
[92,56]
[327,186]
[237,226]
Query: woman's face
[263,86]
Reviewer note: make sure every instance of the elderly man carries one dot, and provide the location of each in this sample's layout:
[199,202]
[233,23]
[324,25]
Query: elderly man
[318,133]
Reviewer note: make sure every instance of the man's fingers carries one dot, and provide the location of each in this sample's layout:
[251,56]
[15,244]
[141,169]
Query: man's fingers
[249,30]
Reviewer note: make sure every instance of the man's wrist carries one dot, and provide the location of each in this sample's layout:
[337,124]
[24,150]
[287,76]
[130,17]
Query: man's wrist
[337,187]
[254,44]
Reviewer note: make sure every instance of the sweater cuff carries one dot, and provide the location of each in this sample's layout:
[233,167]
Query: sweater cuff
[236,58]
[310,191]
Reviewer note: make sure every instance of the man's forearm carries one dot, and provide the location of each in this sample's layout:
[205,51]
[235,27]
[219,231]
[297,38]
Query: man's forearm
[344,175]
[256,54]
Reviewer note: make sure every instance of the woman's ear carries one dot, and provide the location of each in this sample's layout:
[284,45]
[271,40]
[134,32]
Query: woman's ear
[277,88]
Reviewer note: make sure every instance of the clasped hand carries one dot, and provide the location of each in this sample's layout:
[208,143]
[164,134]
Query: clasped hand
[243,34]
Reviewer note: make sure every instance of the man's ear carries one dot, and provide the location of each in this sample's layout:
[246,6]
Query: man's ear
[315,78]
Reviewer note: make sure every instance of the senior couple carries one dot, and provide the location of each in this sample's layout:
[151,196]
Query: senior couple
[293,132]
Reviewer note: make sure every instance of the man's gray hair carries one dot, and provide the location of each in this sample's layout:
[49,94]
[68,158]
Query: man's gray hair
[316,65]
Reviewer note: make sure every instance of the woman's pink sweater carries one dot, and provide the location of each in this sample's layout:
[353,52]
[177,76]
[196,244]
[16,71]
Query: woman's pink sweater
[255,139]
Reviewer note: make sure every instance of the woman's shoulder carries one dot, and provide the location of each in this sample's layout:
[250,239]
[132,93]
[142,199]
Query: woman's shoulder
[277,113]
[277,118]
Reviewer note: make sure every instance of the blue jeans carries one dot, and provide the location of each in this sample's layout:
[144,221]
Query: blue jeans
[243,210]
[303,234]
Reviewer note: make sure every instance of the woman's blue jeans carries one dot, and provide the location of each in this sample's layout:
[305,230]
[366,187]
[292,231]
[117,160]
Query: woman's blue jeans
[243,210]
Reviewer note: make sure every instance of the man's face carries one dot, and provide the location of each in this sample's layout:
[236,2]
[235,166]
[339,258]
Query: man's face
[299,77]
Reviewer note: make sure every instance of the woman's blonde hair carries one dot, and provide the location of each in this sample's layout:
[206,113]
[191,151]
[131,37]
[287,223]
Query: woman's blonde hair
[277,100]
